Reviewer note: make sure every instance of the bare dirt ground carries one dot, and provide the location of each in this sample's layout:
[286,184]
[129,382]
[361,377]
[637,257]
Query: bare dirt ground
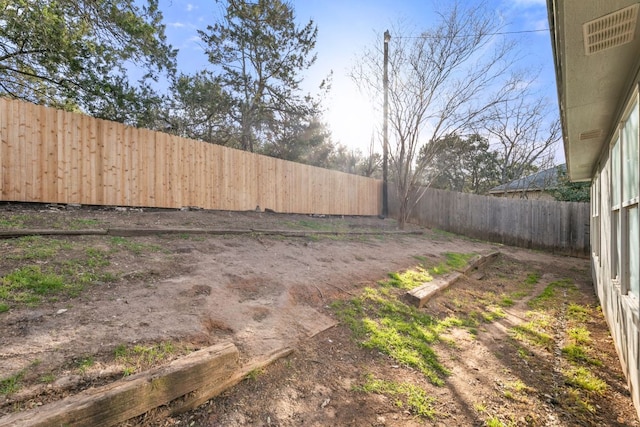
[183,291]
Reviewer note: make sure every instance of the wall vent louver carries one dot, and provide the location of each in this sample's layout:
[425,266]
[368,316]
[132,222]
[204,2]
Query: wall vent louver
[590,134]
[609,31]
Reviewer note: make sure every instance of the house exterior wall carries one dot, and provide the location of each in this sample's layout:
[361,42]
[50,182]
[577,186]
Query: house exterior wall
[615,237]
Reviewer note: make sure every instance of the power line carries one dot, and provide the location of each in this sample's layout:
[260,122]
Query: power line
[500,33]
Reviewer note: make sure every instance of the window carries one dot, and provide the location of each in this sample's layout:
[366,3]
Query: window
[625,218]
[616,250]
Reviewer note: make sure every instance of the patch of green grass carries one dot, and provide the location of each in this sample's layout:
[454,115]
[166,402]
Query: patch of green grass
[409,279]
[532,279]
[457,260]
[11,384]
[48,378]
[480,408]
[4,307]
[36,248]
[494,422]
[506,301]
[408,395]
[13,221]
[96,258]
[254,374]
[136,248]
[379,320]
[550,293]
[80,223]
[28,284]
[577,354]
[85,364]
[140,357]
[583,379]
[453,261]
[580,335]
[492,314]
[578,313]
[534,333]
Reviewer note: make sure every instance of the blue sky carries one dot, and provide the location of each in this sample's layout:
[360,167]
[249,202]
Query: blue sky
[345,27]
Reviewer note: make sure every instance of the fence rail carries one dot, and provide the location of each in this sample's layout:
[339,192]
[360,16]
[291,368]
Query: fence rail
[560,227]
[52,156]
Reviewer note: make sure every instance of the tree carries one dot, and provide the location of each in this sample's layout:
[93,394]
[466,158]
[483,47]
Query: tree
[76,54]
[441,81]
[526,131]
[297,141]
[199,109]
[463,164]
[261,53]
[567,191]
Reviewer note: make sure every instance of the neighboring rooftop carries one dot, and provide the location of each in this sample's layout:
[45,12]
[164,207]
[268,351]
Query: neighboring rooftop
[539,181]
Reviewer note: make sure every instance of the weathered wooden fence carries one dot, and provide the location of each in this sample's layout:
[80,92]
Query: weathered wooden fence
[560,227]
[52,156]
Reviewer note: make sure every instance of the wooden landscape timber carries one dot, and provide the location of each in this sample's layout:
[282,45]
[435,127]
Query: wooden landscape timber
[422,294]
[182,385]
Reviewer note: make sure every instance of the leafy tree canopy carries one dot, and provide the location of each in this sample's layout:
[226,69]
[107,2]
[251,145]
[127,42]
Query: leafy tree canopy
[76,54]
[261,52]
[463,164]
[567,191]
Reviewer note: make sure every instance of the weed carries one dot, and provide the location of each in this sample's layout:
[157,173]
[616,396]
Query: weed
[32,248]
[85,364]
[578,313]
[580,335]
[576,354]
[415,398]
[140,357]
[480,408]
[48,378]
[494,422]
[534,333]
[254,374]
[96,258]
[517,386]
[79,223]
[492,314]
[578,401]
[550,292]
[456,260]
[409,279]
[128,371]
[134,247]
[532,279]
[523,354]
[11,384]
[582,378]
[14,221]
[506,301]
[4,307]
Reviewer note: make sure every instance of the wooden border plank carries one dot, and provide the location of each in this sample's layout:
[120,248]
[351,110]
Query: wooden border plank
[127,398]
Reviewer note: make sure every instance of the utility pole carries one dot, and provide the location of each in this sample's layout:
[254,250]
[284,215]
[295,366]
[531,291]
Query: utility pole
[385,127]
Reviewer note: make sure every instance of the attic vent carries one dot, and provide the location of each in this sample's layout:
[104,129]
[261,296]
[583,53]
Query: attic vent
[612,30]
[590,134]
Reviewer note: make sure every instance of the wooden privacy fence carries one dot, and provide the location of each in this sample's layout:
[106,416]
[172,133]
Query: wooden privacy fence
[560,227]
[52,156]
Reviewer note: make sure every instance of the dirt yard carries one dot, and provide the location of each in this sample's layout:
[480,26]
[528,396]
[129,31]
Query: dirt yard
[514,342]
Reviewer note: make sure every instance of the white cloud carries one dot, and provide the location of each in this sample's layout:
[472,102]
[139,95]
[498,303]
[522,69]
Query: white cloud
[190,7]
[176,25]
